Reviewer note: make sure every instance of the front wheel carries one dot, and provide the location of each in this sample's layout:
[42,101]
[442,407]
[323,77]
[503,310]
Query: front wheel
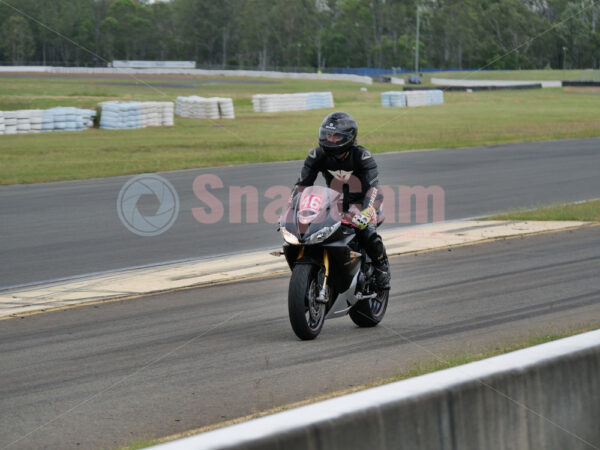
[368,313]
[306,314]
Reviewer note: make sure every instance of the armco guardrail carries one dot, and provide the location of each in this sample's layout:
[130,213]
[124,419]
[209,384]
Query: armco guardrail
[544,397]
[197,72]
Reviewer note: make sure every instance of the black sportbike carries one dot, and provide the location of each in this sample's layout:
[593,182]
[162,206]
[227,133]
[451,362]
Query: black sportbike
[331,275]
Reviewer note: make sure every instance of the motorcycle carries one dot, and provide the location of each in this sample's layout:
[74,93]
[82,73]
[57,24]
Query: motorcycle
[331,275]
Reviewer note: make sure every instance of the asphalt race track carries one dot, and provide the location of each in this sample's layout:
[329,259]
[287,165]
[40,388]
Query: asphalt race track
[65,229]
[105,375]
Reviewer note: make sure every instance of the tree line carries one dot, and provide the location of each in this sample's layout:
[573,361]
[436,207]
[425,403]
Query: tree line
[304,34]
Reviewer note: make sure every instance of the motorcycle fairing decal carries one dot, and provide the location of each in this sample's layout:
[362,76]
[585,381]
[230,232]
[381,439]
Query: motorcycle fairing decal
[311,203]
[342,175]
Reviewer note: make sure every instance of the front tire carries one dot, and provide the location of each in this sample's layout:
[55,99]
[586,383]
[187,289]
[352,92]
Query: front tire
[368,313]
[306,315]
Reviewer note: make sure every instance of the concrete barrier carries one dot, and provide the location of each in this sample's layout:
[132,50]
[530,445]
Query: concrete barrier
[197,72]
[493,83]
[142,64]
[544,397]
[25,69]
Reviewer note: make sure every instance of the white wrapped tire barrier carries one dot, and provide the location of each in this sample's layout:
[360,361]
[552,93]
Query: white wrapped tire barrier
[292,102]
[134,115]
[26,121]
[392,98]
[214,108]
[412,98]
[10,122]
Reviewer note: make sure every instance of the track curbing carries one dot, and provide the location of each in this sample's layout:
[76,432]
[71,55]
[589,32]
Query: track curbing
[133,283]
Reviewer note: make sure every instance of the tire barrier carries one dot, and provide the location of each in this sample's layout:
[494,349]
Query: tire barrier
[134,115]
[157,114]
[580,83]
[292,102]
[393,98]
[54,119]
[10,122]
[67,119]
[205,108]
[412,98]
[545,396]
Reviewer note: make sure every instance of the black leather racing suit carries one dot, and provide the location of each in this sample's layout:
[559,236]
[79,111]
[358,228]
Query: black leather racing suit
[357,177]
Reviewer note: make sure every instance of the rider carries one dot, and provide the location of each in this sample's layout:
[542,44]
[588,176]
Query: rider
[341,160]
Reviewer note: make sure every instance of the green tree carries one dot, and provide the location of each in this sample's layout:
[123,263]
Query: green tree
[129,28]
[17,39]
[163,32]
[108,35]
[512,28]
[576,32]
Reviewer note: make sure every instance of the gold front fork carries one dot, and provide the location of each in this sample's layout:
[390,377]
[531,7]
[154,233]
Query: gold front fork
[322,298]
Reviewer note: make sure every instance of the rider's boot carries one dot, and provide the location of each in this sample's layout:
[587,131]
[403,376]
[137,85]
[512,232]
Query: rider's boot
[375,249]
[382,272]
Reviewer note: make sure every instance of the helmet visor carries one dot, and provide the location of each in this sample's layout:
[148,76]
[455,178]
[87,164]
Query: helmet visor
[331,138]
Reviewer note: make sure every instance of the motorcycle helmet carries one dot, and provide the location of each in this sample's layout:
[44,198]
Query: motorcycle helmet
[337,133]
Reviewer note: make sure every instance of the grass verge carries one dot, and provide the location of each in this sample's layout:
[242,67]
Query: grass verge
[421,368]
[584,212]
[466,119]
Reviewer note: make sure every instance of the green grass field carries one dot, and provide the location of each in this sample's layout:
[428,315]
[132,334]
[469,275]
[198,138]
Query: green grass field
[466,119]
[584,212]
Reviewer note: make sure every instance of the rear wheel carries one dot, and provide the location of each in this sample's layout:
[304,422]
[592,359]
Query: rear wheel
[368,313]
[306,314]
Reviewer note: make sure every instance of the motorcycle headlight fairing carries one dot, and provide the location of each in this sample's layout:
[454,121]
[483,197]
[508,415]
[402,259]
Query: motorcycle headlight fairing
[288,237]
[323,234]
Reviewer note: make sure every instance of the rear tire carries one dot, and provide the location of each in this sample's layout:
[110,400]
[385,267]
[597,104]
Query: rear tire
[368,313]
[306,315]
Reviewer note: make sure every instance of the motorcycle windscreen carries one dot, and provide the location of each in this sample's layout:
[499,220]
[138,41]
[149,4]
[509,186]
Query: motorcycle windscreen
[312,208]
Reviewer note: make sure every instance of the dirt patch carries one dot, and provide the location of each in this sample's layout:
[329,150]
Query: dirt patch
[583,89]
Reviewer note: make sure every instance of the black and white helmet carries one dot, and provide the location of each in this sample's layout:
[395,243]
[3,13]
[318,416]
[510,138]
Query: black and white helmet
[337,133]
